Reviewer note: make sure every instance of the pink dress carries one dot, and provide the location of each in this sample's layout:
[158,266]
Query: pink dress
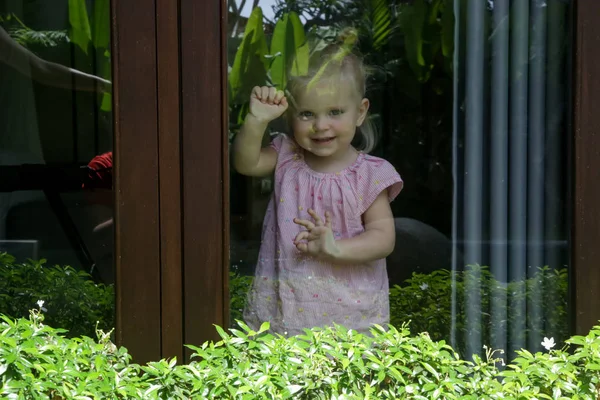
[294,291]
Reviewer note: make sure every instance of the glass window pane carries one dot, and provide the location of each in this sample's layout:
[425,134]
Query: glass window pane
[470,100]
[56,211]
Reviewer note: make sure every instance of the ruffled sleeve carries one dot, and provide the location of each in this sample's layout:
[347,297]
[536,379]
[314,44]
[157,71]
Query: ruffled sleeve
[373,176]
[281,143]
[286,149]
[277,141]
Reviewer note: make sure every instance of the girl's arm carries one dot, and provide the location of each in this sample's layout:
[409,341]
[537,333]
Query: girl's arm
[266,104]
[375,243]
[248,156]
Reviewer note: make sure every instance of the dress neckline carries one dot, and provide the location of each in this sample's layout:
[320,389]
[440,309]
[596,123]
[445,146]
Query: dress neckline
[350,168]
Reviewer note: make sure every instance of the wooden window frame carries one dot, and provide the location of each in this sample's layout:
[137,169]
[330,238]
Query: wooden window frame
[171,225]
[136,178]
[172,169]
[585,239]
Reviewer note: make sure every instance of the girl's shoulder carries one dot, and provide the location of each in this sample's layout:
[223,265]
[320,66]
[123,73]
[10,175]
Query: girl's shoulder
[372,176]
[288,152]
[375,165]
[281,142]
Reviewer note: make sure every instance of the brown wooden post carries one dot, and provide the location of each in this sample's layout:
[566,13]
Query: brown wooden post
[586,211]
[204,134]
[169,153]
[137,238]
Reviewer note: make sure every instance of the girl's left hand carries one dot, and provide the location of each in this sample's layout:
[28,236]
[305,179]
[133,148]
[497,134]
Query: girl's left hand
[317,240]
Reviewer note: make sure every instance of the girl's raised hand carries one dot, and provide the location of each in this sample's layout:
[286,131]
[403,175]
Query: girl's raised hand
[317,240]
[267,103]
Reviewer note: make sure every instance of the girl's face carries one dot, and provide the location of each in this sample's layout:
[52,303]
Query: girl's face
[325,118]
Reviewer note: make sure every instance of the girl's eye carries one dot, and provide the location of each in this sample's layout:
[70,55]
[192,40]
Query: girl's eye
[336,112]
[304,115]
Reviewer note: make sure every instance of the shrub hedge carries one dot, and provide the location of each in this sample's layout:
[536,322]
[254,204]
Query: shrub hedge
[72,299]
[37,361]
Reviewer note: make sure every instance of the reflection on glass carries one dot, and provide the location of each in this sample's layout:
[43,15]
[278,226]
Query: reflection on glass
[512,174]
[56,163]
[471,105]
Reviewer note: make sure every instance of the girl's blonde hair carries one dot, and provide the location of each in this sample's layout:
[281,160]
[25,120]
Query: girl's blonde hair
[338,60]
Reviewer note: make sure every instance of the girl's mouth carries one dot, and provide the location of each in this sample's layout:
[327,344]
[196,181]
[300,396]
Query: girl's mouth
[323,140]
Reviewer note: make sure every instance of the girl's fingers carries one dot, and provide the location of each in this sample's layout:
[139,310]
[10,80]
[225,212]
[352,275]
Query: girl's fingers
[301,237]
[272,94]
[315,216]
[264,94]
[284,102]
[303,247]
[257,92]
[328,219]
[279,96]
[305,223]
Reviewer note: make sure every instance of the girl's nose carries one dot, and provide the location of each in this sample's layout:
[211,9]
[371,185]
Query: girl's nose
[321,124]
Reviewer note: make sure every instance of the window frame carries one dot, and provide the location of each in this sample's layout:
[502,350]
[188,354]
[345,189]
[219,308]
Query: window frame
[585,239]
[172,173]
[136,182]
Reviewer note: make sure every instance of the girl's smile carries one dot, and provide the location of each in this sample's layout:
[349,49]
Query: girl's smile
[323,141]
[324,123]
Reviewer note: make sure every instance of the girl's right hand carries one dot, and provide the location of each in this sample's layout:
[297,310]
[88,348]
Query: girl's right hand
[267,103]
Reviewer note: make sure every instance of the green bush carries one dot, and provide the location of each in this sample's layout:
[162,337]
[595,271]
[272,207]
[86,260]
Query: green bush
[75,303]
[73,300]
[37,361]
[425,300]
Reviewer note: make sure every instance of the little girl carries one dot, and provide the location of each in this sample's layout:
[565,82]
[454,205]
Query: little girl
[328,227]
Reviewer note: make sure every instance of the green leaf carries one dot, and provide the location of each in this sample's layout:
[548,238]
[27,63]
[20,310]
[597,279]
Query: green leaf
[579,340]
[101,27]
[448,29]
[431,370]
[294,388]
[289,49]
[80,32]
[592,366]
[264,327]
[27,37]
[412,21]
[221,333]
[106,104]
[250,65]
[382,22]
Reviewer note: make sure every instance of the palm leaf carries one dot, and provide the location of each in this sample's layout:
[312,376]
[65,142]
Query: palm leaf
[80,32]
[381,17]
[412,21]
[250,65]
[28,37]
[290,48]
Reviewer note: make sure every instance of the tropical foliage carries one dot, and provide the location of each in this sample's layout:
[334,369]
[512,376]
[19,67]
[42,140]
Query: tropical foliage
[37,361]
[88,31]
[408,47]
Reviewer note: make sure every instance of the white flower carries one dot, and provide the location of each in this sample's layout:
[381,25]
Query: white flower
[424,286]
[40,304]
[548,343]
